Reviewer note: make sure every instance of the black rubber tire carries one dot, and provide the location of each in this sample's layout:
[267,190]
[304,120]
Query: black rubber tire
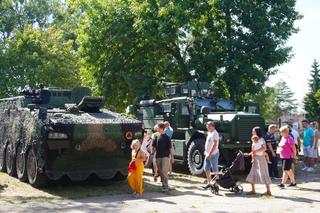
[35,178]
[238,189]
[195,157]
[2,158]
[21,168]
[10,160]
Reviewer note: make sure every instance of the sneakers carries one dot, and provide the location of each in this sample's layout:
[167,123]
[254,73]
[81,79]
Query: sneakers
[292,184]
[206,186]
[281,185]
[304,168]
[310,169]
[164,189]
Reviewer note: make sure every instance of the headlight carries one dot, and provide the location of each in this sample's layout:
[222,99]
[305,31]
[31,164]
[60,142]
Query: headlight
[57,135]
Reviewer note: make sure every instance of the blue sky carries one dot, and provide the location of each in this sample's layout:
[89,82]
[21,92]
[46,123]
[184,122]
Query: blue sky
[306,48]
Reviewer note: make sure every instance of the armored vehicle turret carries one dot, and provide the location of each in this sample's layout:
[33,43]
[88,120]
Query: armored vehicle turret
[188,107]
[48,133]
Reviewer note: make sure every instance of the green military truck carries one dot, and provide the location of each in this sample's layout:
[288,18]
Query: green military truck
[188,106]
[48,133]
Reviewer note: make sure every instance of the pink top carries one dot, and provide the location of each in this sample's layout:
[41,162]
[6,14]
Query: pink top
[286,145]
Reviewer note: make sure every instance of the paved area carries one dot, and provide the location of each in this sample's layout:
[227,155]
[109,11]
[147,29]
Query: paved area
[186,197]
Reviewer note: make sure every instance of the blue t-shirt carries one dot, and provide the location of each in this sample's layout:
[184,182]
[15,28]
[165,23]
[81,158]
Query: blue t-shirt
[308,133]
[169,132]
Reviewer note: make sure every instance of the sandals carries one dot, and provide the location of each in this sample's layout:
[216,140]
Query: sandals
[267,193]
[251,193]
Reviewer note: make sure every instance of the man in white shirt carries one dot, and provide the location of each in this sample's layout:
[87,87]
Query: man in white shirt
[211,152]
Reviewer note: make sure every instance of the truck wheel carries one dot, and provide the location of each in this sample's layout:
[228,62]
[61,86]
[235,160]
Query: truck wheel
[10,161]
[35,178]
[21,164]
[2,158]
[195,157]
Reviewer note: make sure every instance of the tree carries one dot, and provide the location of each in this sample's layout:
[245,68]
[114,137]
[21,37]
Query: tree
[276,101]
[255,33]
[35,47]
[311,100]
[130,47]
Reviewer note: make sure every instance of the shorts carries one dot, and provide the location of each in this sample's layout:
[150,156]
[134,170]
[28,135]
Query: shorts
[308,152]
[286,164]
[315,153]
[212,163]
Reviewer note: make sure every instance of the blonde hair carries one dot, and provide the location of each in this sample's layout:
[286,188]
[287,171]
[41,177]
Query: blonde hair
[284,129]
[134,142]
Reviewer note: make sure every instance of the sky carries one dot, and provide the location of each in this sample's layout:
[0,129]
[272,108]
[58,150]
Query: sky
[306,48]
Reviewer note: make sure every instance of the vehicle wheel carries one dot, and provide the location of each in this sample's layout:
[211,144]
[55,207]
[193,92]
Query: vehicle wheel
[2,158]
[195,156]
[35,178]
[119,177]
[21,169]
[10,161]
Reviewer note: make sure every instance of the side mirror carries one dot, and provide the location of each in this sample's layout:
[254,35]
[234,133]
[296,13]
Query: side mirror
[205,110]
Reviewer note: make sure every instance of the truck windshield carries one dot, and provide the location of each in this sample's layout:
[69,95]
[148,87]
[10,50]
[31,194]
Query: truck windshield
[205,102]
[219,105]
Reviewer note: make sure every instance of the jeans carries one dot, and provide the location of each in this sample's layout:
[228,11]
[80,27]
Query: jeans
[212,163]
[273,167]
[163,168]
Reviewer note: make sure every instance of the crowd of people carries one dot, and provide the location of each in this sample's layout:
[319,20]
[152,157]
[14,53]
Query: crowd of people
[157,149]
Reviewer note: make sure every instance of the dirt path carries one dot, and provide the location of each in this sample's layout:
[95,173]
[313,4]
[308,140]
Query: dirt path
[186,197]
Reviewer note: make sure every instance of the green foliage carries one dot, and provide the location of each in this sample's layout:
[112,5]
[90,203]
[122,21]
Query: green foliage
[36,46]
[254,39]
[312,99]
[276,101]
[130,47]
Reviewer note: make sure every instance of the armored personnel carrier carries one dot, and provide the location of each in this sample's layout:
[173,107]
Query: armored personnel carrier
[188,107]
[48,133]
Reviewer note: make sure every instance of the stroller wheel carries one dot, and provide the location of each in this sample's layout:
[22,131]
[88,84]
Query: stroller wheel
[238,189]
[215,189]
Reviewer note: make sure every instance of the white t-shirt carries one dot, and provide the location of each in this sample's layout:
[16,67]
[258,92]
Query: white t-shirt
[212,136]
[296,135]
[144,146]
[258,145]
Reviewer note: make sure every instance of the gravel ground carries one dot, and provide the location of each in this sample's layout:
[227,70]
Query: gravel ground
[186,196]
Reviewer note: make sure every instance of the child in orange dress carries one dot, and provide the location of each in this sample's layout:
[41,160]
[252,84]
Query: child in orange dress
[135,177]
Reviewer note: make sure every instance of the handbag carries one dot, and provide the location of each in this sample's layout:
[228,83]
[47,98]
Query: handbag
[132,165]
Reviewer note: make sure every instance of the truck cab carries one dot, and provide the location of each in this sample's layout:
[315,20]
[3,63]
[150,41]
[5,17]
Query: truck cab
[188,107]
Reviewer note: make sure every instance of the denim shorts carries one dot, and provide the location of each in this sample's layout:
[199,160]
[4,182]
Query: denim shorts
[308,152]
[212,163]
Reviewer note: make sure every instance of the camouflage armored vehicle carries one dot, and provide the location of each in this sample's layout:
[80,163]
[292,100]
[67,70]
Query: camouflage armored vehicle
[188,106]
[49,133]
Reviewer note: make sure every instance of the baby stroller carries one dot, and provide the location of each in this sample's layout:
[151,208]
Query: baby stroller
[224,177]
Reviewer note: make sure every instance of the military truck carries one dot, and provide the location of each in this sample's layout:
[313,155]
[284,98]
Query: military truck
[48,133]
[188,106]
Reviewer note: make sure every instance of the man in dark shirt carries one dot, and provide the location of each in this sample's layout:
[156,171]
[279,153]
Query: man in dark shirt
[271,150]
[163,148]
